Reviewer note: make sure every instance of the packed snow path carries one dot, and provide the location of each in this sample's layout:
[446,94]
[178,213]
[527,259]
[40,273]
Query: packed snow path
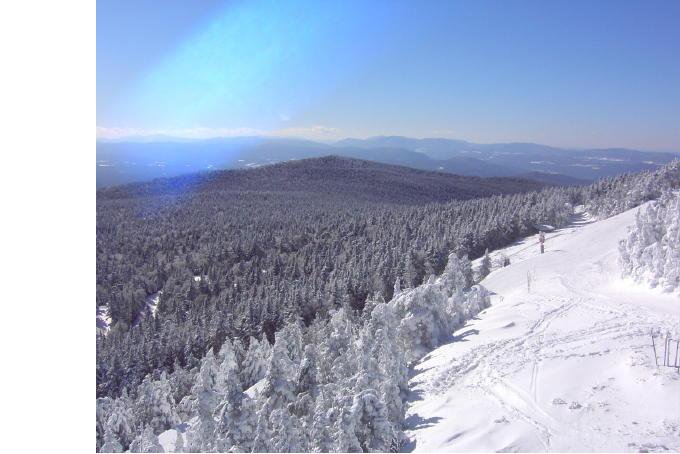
[561,361]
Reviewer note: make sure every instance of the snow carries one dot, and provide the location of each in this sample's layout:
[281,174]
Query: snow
[152,302]
[103,319]
[168,439]
[561,361]
[254,391]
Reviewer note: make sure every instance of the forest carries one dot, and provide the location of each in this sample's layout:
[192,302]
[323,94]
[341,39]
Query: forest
[279,308]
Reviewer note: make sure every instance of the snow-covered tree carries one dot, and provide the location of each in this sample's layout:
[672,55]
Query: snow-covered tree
[650,252]
[373,431]
[319,433]
[306,386]
[227,369]
[204,400]
[285,434]
[291,336]
[236,418]
[423,320]
[255,362]
[397,286]
[146,442]
[263,434]
[273,418]
[279,388]
[485,266]
[116,416]
[111,442]
[344,431]
[155,405]
[410,271]
[458,274]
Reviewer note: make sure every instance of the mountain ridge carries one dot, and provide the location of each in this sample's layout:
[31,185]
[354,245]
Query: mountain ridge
[336,177]
[120,162]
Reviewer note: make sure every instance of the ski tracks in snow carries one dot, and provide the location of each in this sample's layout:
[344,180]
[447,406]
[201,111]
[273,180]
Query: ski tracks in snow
[564,366]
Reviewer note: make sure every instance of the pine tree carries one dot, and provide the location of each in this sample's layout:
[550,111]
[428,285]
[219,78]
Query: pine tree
[458,274]
[410,271]
[286,435]
[111,443]
[374,432]
[236,418]
[279,390]
[397,287]
[262,438]
[227,369]
[320,437]
[485,266]
[344,432]
[146,442]
[256,362]
[204,399]
[155,404]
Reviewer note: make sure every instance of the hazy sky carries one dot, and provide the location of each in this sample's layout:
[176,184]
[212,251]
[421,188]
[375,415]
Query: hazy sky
[567,73]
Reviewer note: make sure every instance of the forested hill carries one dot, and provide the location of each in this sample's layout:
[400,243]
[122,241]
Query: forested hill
[335,176]
[201,297]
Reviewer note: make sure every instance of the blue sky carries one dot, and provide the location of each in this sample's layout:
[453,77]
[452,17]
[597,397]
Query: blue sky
[566,73]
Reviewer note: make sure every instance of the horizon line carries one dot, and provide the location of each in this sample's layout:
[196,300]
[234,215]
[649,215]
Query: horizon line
[207,134]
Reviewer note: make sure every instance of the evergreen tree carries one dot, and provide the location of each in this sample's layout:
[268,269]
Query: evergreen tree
[373,431]
[485,266]
[320,436]
[256,362]
[155,405]
[236,418]
[111,443]
[146,442]
[204,400]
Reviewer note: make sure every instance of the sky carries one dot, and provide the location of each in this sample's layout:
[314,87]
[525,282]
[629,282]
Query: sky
[565,73]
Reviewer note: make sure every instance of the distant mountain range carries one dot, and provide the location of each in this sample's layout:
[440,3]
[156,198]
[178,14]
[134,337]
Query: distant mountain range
[331,178]
[123,162]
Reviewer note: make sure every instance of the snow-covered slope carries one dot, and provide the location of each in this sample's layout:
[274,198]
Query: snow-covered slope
[561,361]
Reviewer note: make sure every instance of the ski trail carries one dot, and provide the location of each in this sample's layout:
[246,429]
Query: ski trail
[565,366]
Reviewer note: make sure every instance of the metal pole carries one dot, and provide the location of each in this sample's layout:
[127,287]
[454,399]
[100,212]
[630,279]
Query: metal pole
[651,332]
[677,346]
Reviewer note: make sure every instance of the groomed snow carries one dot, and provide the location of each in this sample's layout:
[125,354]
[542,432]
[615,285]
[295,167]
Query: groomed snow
[561,361]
